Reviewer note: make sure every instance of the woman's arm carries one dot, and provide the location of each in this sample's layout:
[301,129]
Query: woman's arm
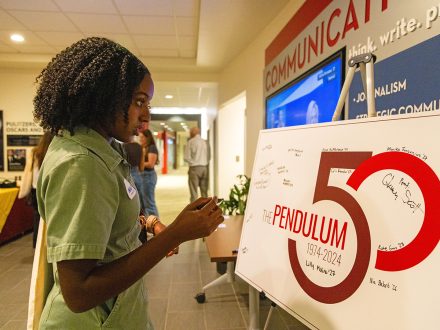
[152,159]
[85,285]
[141,161]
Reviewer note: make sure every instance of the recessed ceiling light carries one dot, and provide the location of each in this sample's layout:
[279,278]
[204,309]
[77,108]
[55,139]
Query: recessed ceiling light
[17,37]
[168,96]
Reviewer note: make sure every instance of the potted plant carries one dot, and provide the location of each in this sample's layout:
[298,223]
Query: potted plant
[236,204]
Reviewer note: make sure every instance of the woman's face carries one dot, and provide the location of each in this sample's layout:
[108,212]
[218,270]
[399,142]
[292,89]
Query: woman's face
[138,112]
[142,139]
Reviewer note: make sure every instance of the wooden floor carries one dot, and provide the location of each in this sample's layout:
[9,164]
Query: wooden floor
[172,284]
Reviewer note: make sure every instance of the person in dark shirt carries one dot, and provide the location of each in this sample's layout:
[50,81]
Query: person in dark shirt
[149,175]
[134,158]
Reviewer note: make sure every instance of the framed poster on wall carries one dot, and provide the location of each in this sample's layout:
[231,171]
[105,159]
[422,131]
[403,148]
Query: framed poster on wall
[16,159]
[22,140]
[403,84]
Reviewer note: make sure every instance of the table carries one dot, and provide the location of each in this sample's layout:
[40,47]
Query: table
[222,246]
[7,199]
[19,218]
[223,243]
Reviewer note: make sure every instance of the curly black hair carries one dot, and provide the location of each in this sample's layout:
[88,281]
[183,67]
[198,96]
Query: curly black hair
[87,84]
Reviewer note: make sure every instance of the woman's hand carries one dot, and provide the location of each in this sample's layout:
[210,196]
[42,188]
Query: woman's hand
[198,219]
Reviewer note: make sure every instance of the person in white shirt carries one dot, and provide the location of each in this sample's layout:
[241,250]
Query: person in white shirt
[197,154]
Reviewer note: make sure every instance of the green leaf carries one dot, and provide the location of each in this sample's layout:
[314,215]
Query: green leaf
[237,197]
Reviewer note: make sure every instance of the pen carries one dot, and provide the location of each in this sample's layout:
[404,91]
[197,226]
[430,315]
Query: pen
[219,201]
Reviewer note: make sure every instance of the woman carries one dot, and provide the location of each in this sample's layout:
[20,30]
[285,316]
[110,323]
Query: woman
[148,175]
[91,95]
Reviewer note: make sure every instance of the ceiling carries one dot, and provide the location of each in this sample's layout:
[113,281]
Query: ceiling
[185,42]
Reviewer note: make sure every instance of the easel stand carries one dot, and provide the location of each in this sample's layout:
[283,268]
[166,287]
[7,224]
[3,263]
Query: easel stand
[272,308]
[365,64]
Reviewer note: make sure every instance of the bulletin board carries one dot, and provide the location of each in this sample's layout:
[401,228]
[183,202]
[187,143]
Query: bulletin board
[343,221]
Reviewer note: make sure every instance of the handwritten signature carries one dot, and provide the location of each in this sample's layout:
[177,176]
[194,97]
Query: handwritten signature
[391,247]
[296,152]
[408,151]
[389,183]
[265,169]
[267,147]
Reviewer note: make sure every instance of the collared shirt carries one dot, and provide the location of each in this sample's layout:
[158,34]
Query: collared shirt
[197,152]
[89,202]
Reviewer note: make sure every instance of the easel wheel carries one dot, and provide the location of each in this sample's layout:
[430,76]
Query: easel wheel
[200,297]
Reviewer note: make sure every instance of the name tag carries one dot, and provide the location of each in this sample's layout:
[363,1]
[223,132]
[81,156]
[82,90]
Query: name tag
[131,191]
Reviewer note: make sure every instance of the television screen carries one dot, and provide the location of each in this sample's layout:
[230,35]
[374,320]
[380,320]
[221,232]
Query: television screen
[311,98]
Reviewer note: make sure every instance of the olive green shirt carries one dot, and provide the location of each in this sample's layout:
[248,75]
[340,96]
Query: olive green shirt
[90,204]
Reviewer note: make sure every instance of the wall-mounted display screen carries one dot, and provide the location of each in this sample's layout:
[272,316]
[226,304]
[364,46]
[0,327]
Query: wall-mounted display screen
[311,98]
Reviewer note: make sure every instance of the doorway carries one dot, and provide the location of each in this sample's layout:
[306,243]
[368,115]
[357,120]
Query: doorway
[230,143]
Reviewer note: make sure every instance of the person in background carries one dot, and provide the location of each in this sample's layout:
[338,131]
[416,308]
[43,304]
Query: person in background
[282,117]
[149,175]
[92,95]
[134,154]
[30,178]
[10,157]
[312,114]
[197,154]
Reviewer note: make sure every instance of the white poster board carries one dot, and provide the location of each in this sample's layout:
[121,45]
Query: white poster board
[343,220]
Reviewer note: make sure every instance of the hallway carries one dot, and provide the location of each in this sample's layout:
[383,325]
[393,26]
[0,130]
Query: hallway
[172,284]
[172,193]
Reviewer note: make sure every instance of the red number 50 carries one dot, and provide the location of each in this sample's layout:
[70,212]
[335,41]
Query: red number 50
[415,252]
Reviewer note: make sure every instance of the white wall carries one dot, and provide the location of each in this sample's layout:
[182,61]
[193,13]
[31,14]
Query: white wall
[245,74]
[17,89]
[230,156]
